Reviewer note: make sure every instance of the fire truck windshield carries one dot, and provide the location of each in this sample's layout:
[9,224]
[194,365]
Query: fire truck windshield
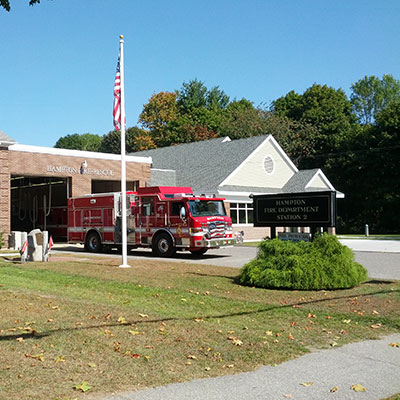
[206,208]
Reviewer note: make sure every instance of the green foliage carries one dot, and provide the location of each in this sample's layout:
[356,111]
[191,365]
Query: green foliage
[194,94]
[325,108]
[86,142]
[6,4]
[371,95]
[322,264]
[136,139]
[2,242]
[370,177]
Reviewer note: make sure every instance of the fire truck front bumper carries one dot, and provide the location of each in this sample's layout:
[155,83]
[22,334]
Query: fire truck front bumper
[215,243]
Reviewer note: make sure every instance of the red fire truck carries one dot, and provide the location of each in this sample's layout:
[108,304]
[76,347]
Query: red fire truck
[164,218]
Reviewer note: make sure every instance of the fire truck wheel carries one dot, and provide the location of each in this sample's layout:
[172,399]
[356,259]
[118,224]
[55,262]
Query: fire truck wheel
[199,252]
[93,243]
[162,245]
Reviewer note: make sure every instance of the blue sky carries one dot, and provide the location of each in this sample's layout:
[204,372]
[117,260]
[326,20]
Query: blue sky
[58,58]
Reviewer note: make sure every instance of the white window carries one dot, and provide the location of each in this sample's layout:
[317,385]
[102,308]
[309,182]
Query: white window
[241,213]
[269,165]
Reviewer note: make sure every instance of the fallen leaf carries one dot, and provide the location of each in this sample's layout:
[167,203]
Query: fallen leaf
[310,315]
[237,342]
[358,388]
[375,312]
[122,320]
[60,359]
[83,387]
[268,333]
[191,357]
[207,368]
[346,321]
[376,326]
[134,332]
[296,306]
[394,344]
[306,384]
[136,355]
[143,315]
[20,339]
[290,337]
[334,389]
[92,365]
[188,363]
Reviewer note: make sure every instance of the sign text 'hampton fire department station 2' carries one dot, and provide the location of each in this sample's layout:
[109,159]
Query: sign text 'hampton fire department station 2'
[295,209]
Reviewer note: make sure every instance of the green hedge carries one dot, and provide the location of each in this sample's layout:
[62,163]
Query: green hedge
[322,264]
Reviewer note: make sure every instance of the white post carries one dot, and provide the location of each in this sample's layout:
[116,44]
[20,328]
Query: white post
[123,163]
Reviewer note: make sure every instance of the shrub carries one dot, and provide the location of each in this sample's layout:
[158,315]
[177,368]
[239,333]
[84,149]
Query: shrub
[2,243]
[322,264]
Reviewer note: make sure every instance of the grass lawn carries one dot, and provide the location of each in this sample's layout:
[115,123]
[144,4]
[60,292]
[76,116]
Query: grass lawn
[76,320]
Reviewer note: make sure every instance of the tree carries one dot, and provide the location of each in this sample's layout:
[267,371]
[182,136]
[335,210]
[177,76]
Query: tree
[192,95]
[325,108]
[159,111]
[86,142]
[6,3]
[371,95]
[195,94]
[136,139]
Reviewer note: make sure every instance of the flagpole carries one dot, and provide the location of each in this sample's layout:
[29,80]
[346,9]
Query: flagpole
[123,162]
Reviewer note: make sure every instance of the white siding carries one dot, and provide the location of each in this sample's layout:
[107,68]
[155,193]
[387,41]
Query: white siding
[251,172]
[317,182]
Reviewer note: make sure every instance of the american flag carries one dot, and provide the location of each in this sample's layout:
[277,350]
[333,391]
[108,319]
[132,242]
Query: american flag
[117,98]
[216,229]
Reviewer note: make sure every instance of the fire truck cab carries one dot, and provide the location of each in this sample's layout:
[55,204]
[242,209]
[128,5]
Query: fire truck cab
[163,218]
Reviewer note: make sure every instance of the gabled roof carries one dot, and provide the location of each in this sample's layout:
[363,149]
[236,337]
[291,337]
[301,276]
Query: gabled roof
[299,181]
[206,163]
[5,140]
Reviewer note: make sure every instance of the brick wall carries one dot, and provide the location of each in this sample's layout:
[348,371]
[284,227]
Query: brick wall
[22,163]
[4,195]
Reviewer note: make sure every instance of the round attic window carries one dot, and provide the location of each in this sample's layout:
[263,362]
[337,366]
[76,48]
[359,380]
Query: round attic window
[269,165]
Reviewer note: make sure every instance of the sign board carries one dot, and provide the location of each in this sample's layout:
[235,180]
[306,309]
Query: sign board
[294,237]
[312,209]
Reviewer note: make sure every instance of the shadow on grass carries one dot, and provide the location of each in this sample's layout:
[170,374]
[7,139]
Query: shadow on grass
[39,335]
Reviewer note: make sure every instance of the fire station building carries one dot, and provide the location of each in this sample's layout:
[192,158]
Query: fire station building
[35,183]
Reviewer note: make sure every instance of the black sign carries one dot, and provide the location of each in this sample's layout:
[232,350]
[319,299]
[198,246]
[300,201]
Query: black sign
[295,209]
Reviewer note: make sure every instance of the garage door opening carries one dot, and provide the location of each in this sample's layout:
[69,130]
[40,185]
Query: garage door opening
[40,202]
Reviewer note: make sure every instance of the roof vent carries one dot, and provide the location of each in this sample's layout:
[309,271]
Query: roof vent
[269,165]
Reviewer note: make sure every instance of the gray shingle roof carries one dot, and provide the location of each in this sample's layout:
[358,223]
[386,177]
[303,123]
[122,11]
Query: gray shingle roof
[5,140]
[297,183]
[203,165]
